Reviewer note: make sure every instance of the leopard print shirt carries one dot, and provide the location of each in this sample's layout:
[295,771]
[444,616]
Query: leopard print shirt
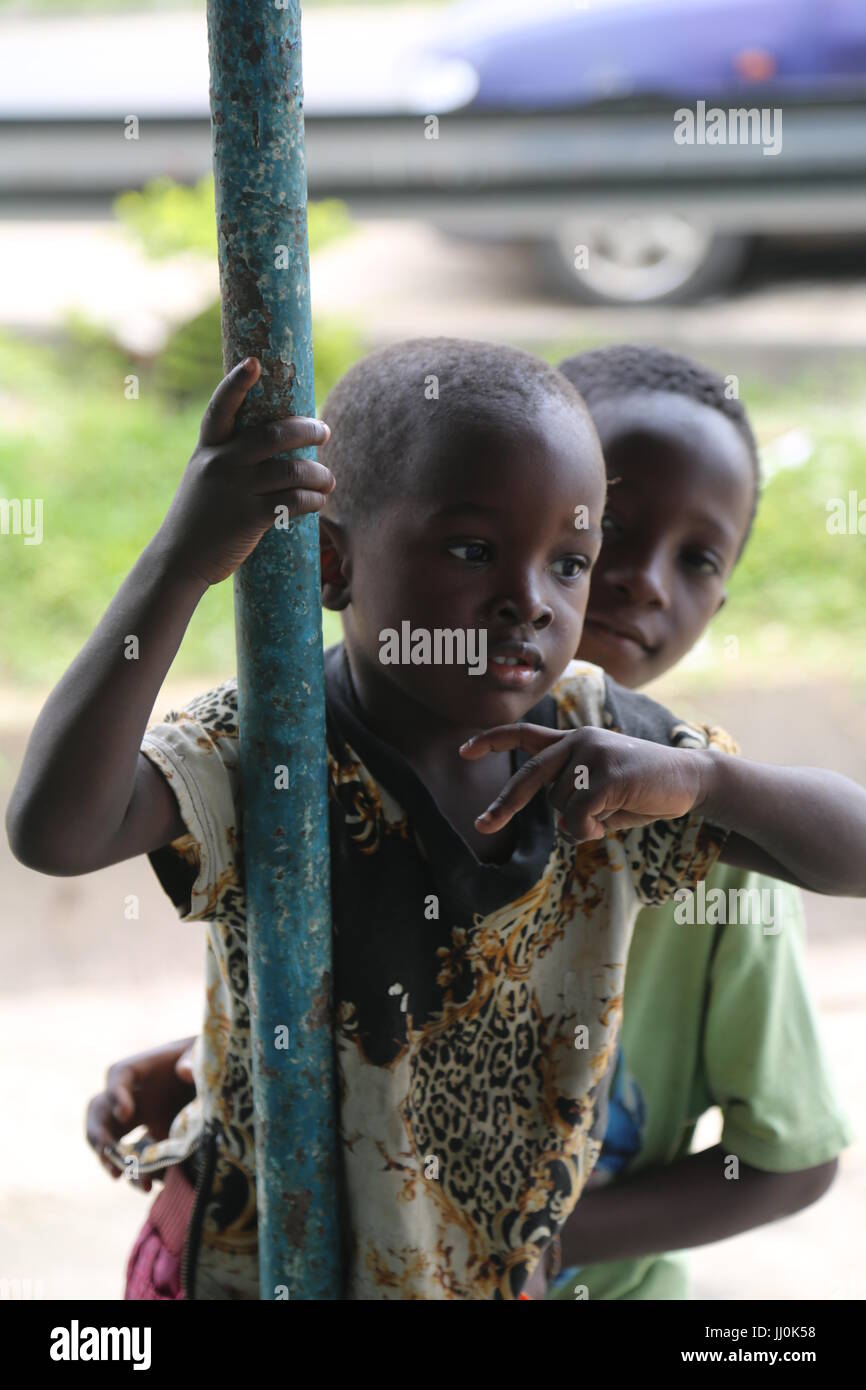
[474,1048]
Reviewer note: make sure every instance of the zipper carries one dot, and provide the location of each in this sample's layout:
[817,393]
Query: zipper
[203,1183]
[156,1165]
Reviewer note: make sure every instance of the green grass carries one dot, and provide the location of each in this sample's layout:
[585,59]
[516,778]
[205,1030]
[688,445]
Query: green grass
[106,466]
[106,469]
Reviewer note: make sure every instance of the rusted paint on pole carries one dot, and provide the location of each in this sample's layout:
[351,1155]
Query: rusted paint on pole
[258,145]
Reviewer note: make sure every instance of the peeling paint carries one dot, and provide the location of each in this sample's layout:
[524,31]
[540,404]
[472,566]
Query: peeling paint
[257,124]
[296,1219]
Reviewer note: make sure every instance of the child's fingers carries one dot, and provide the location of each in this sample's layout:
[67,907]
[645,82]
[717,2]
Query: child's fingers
[110,1168]
[102,1130]
[548,755]
[218,421]
[298,502]
[271,437]
[577,825]
[541,768]
[276,475]
[531,738]
[588,812]
[120,1094]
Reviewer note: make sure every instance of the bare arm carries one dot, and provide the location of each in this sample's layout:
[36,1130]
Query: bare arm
[800,824]
[684,1204]
[86,796]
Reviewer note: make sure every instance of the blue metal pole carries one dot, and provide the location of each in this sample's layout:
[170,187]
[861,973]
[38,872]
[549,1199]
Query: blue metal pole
[261,210]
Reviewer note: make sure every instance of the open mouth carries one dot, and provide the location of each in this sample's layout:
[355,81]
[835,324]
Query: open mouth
[514,664]
[514,674]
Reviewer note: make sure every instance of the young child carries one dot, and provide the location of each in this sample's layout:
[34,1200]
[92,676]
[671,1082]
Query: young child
[473,1041]
[716,1013]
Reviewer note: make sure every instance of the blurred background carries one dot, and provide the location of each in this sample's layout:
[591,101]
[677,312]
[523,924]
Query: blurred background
[486,169]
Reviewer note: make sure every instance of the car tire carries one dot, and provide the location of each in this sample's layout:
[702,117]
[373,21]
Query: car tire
[629,262]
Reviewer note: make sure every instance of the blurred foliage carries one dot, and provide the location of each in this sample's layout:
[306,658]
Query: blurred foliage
[107,468]
[191,364]
[167,217]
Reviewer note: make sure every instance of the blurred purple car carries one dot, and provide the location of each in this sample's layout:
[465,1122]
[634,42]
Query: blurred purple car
[564,53]
[518,56]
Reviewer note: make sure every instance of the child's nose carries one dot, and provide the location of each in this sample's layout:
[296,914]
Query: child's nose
[524,608]
[642,584]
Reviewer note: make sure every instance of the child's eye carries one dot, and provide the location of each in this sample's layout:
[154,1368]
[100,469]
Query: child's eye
[702,561]
[473,552]
[609,523]
[574,565]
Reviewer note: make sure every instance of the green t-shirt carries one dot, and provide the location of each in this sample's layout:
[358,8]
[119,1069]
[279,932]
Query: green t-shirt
[714,1015]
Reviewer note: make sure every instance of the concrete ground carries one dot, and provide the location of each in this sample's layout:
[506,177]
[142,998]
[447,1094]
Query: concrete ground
[81,986]
[401,278]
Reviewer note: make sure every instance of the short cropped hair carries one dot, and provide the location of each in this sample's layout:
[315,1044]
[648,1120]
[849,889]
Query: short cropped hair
[391,407]
[607,372]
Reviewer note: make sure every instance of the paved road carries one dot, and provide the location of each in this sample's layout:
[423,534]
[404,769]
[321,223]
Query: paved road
[400,279]
[154,64]
[82,986]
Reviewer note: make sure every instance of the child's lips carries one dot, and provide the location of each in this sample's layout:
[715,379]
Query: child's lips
[508,672]
[620,633]
[514,664]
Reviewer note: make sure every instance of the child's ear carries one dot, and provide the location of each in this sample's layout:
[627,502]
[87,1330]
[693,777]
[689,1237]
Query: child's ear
[333,552]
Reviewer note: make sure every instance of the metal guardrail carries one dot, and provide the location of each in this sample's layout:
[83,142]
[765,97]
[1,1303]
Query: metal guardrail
[481,165]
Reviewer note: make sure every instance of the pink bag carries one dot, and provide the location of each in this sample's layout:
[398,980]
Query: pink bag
[154,1268]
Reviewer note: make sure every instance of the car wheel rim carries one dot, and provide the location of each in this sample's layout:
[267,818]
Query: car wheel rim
[636,258]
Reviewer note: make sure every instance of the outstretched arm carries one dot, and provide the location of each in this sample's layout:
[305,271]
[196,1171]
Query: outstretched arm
[800,824]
